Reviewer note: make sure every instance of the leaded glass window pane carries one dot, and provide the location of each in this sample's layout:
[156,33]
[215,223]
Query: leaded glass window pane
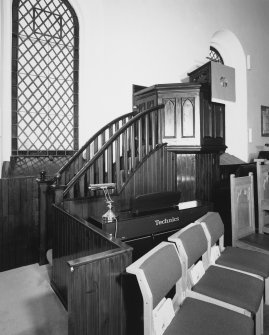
[45,77]
[215,56]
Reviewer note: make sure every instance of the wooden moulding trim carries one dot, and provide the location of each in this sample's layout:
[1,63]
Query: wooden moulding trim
[95,257]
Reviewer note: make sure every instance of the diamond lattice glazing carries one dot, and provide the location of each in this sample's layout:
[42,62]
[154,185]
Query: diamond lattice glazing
[45,95]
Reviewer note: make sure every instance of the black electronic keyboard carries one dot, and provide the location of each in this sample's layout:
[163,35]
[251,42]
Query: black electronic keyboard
[153,214]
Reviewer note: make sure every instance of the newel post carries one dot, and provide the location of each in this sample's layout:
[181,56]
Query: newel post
[43,206]
[58,191]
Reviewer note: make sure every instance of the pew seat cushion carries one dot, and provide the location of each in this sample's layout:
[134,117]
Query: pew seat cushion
[245,260]
[257,240]
[231,287]
[194,315]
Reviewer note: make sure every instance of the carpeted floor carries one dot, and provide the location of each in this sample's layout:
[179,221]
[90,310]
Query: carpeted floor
[28,305]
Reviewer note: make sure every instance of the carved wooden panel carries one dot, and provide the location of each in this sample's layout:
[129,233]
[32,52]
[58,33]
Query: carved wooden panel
[188,117]
[242,202]
[141,107]
[219,120]
[150,104]
[170,118]
[207,119]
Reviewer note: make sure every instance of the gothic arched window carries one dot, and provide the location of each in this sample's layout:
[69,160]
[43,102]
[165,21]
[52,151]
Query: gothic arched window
[215,56]
[44,78]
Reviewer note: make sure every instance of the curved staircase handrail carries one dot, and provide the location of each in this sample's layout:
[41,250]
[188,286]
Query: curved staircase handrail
[107,144]
[90,141]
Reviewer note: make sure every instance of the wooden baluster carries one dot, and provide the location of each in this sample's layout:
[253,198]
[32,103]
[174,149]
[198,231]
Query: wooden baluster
[88,157]
[100,165]
[71,192]
[132,146]
[159,120]
[130,157]
[98,173]
[146,134]
[68,174]
[117,162]
[81,186]
[128,150]
[110,131]
[91,169]
[110,159]
[77,184]
[63,178]
[72,170]
[124,150]
[140,147]
[95,144]
[153,129]
[80,161]
[125,155]
[103,138]
[117,158]
[82,179]
[95,147]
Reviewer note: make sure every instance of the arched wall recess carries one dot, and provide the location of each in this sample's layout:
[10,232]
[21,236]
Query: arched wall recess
[233,55]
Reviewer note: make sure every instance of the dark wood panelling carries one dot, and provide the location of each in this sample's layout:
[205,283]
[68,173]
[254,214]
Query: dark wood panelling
[87,269]
[207,175]
[95,296]
[72,239]
[19,226]
[186,176]
[197,175]
[75,238]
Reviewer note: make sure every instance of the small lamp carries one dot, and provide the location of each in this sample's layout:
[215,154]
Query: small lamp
[109,216]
